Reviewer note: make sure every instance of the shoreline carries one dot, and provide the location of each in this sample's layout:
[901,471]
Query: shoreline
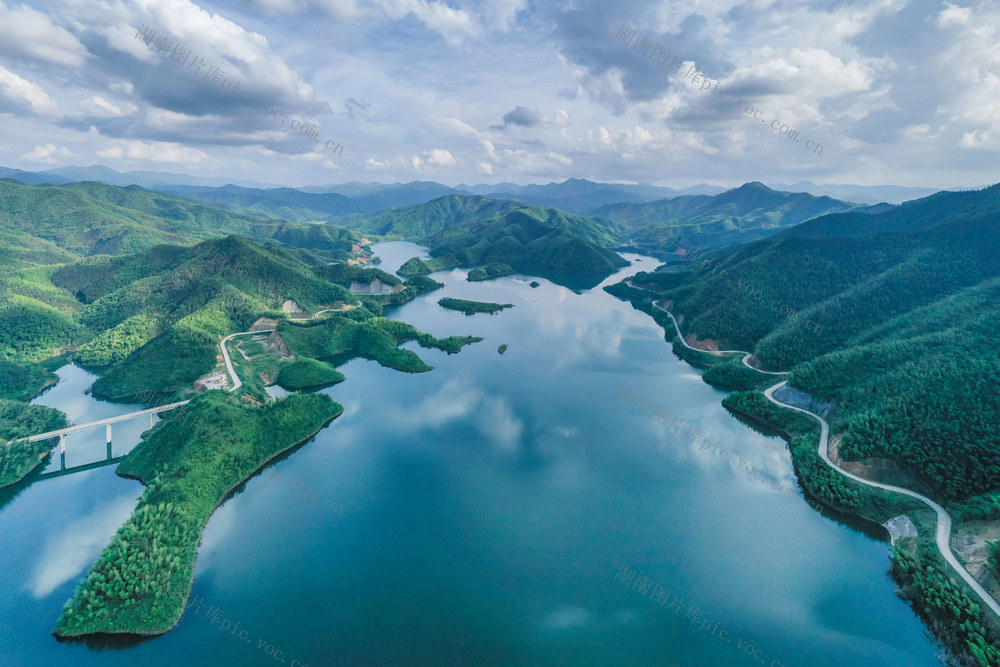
[944,521]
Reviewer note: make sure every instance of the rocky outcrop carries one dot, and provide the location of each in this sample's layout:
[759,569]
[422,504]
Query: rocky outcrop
[375,287]
[276,345]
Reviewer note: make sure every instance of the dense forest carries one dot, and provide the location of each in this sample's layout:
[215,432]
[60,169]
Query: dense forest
[741,215]
[189,463]
[907,303]
[473,307]
[489,271]
[340,338]
[18,420]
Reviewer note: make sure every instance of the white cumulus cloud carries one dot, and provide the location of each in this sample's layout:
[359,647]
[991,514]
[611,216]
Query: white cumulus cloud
[154,151]
[27,33]
[24,93]
[99,106]
[48,154]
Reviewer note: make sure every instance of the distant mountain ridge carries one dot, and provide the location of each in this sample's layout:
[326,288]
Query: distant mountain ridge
[574,195]
[746,213]
[96,172]
[862,194]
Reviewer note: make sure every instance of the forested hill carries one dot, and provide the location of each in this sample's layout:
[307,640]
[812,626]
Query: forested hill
[44,226]
[158,315]
[281,203]
[529,239]
[91,218]
[419,221]
[904,312]
[744,214]
[949,213]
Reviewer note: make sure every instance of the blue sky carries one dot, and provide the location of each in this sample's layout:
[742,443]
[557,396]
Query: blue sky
[903,92]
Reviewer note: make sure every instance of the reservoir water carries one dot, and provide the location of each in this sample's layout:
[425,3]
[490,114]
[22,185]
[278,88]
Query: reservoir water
[489,510]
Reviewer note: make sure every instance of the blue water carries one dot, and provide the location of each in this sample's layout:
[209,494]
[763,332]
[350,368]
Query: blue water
[486,509]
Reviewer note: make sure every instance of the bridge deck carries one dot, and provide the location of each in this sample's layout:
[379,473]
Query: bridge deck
[110,420]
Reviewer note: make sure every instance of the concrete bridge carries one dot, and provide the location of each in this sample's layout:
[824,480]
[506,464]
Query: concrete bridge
[63,432]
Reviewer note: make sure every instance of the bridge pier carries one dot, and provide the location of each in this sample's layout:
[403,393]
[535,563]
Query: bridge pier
[62,451]
[109,434]
[151,415]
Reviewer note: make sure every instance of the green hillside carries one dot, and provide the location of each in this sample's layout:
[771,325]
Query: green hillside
[339,339]
[149,306]
[62,247]
[45,224]
[489,271]
[420,221]
[891,316]
[18,420]
[141,581]
[744,214]
[530,240]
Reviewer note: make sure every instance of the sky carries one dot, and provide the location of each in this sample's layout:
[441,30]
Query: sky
[900,92]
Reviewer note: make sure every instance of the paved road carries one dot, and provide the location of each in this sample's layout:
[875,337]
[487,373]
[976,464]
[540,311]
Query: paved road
[746,355]
[943,533]
[943,536]
[237,382]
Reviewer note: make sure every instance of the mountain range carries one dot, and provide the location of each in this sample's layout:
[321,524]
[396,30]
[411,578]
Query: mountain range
[743,214]
[573,195]
[905,307]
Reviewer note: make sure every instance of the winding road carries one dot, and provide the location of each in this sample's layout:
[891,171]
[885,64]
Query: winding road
[747,356]
[237,382]
[943,532]
[943,535]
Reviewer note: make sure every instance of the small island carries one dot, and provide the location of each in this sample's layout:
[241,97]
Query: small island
[491,270]
[473,307]
[418,267]
[502,348]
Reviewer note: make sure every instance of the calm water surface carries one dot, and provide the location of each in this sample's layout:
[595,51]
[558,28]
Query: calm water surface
[487,507]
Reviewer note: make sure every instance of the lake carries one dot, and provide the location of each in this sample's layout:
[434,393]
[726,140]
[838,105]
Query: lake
[489,510]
